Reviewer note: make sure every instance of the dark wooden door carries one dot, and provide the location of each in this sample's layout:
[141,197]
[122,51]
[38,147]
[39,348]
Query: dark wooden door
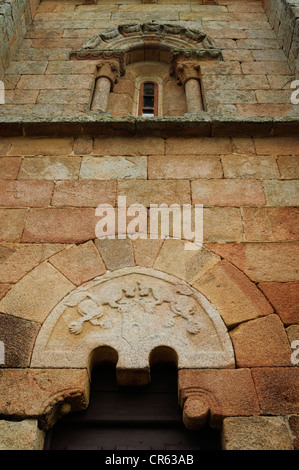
[139,418]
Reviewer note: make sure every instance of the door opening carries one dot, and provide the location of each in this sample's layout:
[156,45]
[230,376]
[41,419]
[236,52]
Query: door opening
[130,418]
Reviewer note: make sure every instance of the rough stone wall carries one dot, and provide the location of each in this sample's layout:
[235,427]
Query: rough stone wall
[248,269]
[284,18]
[253,79]
[51,185]
[15,16]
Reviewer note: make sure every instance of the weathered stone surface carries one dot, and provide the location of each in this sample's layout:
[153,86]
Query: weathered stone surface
[184,167]
[282,193]
[79,263]
[22,435]
[25,193]
[221,392]
[41,393]
[198,146]
[116,253]
[147,192]
[261,342]
[18,260]
[41,146]
[18,336]
[256,433]
[293,335]
[4,288]
[237,166]
[106,168]
[89,193]
[222,224]
[63,225]
[270,223]
[187,265]
[129,146]
[277,389]
[83,145]
[146,251]
[50,168]
[35,295]
[262,262]
[12,223]
[5,144]
[285,299]
[277,145]
[52,82]
[236,298]
[294,425]
[134,311]
[227,192]
[9,168]
[288,167]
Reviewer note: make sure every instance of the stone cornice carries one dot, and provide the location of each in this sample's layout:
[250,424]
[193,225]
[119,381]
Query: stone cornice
[94,124]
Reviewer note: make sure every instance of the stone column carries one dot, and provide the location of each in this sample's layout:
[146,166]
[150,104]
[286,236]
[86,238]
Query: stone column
[188,74]
[107,76]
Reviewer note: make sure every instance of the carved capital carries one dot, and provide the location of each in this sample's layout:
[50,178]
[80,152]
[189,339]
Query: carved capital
[109,69]
[187,70]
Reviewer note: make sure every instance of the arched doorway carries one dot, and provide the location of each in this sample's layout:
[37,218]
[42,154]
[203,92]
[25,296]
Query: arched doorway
[130,418]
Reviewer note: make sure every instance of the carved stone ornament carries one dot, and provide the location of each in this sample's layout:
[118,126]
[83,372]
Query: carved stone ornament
[109,69]
[134,311]
[185,64]
[130,37]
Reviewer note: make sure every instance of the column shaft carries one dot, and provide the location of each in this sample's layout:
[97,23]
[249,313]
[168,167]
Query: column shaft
[101,95]
[193,96]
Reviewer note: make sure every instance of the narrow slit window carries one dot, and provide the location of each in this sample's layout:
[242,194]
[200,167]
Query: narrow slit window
[148,100]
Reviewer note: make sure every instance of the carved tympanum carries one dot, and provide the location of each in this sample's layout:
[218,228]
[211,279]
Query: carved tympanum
[138,299]
[134,311]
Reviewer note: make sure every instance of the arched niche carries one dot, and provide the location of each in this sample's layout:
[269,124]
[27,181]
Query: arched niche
[134,312]
[180,47]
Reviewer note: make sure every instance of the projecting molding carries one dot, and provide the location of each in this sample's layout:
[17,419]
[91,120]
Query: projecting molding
[131,42]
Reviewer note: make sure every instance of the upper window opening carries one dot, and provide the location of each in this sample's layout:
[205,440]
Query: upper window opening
[148,100]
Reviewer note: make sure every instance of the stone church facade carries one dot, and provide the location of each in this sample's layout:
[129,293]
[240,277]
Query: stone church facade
[159,102]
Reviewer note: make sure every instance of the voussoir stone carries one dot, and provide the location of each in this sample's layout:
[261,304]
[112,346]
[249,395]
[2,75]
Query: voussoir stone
[16,260]
[188,265]
[79,263]
[233,294]
[261,343]
[34,296]
[284,296]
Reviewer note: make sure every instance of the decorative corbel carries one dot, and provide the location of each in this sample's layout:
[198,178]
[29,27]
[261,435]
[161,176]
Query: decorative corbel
[200,407]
